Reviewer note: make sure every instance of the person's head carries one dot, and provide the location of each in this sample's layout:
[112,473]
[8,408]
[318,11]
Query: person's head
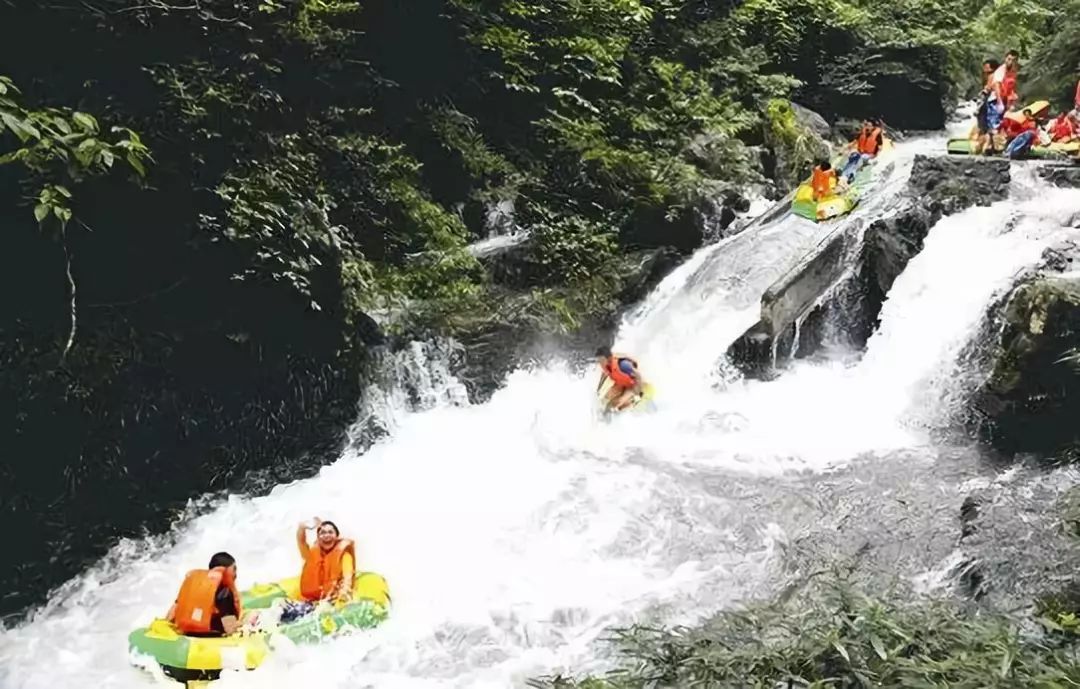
[1012,59]
[989,65]
[877,122]
[824,165]
[226,562]
[327,535]
[603,354]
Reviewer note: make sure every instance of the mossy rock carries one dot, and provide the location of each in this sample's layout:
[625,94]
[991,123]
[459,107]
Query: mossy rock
[1033,394]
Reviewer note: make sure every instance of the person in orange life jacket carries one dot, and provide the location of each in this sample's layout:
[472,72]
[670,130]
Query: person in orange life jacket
[867,144]
[1063,129]
[329,563]
[1024,134]
[1003,81]
[1076,99]
[822,180]
[626,382]
[208,603]
[987,116]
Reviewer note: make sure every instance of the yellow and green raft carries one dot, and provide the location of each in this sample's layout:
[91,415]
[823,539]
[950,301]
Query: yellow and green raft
[836,204]
[188,658]
[1038,109]
[1056,150]
[641,402]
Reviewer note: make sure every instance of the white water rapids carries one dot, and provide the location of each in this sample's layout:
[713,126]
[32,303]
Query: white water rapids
[515,532]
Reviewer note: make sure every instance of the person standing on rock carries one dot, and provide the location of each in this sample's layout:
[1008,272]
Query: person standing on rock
[1076,98]
[987,117]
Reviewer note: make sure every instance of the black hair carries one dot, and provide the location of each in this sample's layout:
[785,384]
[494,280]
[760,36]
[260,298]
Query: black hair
[991,63]
[825,165]
[221,559]
[603,351]
[1013,53]
[337,531]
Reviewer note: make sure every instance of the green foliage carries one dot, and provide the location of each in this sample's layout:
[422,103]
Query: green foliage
[838,638]
[572,250]
[61,148]
[797,148]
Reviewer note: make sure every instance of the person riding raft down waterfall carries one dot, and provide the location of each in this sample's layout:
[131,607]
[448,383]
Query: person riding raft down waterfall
[822,180]
[329,563]
[208,603]
[626,381]
[867,144]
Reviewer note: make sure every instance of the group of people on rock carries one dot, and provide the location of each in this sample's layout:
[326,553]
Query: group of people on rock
[208,603]
[826,181]
[1016,135]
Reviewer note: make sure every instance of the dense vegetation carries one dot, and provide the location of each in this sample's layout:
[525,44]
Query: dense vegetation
[207,203]
[829,633]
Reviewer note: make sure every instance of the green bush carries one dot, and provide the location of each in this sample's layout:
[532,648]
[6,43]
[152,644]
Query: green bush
[836,638]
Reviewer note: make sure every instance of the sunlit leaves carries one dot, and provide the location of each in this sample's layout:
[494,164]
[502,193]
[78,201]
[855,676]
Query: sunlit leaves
[63,147]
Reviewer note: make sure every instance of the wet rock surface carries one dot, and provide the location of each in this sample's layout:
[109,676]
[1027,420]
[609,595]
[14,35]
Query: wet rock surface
[1061,176]
[1031,401]
[937,187]
[493,349]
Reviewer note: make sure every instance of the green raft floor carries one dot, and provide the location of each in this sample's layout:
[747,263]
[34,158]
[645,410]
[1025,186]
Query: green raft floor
[838,205]
[964,146]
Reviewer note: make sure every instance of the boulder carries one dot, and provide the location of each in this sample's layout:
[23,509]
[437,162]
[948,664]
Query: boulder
[705,219]
[1061,176]
[1032,397]
[793,144]
[955,183]
[811,121]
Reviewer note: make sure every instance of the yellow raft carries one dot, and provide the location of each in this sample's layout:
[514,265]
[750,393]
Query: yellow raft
[188,658]
[641,402]
[843,199]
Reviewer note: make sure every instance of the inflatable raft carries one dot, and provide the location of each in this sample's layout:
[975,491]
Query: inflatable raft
[843,200]
[643,402]
[964,146]
[191,658]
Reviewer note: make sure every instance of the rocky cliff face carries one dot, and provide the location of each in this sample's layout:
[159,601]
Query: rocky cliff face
[1032,397]
[1031,400]
[938,187]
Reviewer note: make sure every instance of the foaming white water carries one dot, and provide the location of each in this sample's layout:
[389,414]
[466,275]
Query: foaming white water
[515,532]
[821,414]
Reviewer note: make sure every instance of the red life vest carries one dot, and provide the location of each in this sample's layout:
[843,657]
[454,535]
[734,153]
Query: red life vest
[611,368]
[195,604]
[867,142]
[322,570]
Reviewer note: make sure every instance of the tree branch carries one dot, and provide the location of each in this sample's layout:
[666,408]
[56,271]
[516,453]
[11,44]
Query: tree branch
[71,286]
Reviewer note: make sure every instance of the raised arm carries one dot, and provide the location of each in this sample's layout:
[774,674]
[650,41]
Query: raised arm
[301,537]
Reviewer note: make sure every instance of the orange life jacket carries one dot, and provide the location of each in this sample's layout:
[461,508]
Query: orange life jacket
[195,606]
[821,182]
[868,141]
[611,368]
[322,570]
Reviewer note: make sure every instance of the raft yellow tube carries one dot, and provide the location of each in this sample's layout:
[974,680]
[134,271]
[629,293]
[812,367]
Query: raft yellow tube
[188,658]
[837,203]
[642,401]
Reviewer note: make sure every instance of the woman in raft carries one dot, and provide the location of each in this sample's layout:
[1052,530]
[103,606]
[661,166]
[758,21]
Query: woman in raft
[329,567]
